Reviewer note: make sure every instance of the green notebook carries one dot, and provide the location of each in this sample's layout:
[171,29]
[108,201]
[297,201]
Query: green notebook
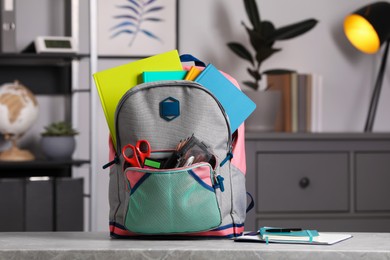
[150,76]
[113,83]
[271,234]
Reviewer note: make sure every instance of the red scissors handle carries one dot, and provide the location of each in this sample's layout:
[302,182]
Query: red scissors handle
[129,152]
[135,155]
[143,149]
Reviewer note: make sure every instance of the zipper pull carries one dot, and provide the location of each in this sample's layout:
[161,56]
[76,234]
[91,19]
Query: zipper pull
[228,157]
[218,182]
[115,161]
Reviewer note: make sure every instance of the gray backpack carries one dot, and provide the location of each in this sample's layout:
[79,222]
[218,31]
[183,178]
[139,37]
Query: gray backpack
[195,200]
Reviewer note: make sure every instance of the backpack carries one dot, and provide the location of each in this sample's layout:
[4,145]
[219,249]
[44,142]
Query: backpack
[200,200]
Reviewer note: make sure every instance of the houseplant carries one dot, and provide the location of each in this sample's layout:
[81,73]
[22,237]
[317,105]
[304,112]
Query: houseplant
[58,140]
[263,36]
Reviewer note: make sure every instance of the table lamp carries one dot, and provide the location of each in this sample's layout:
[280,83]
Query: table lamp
[367,29]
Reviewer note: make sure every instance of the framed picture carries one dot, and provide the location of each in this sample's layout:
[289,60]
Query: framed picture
[136,28]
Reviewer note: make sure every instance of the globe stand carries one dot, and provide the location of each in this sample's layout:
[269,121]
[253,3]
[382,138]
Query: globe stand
[14,153]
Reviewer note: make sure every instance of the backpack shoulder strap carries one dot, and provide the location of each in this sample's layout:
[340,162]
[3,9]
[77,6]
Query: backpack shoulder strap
[190,58]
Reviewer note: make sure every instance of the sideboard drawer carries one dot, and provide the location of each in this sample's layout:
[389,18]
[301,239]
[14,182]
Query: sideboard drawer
[372,181]
[309,182]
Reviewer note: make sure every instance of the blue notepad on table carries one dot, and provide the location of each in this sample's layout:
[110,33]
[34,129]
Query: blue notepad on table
[237,105]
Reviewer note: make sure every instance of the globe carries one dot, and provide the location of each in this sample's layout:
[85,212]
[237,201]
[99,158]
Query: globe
[18,112]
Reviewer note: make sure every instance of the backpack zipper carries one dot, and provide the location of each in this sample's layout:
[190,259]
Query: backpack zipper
[114,161]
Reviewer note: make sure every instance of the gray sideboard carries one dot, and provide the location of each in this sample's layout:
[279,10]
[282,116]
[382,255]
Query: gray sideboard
[323,181]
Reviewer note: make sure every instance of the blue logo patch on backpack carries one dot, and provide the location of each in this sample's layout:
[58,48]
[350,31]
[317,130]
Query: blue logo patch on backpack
[169,109]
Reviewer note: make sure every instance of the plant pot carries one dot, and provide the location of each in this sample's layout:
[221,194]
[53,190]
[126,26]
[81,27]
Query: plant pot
[58,147]
[264,117]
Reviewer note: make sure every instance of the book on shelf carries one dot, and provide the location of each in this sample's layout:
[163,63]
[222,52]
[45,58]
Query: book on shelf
[305,85]
[294,102]
[309,103]
[301,105]
[316,103]
[282,83]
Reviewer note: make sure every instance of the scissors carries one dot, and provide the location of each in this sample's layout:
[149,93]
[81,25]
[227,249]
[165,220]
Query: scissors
[136,154]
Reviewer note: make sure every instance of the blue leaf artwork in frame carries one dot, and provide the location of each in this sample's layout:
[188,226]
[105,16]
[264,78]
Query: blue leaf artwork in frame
[136,28]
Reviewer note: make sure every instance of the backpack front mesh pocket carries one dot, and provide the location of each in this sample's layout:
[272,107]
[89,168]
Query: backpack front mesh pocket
[175,201]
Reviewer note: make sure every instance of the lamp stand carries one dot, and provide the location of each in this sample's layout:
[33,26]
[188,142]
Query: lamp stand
[377,91]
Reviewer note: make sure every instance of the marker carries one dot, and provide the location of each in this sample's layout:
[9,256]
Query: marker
[152,163]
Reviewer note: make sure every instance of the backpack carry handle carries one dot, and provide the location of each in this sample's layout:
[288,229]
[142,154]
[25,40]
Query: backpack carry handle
[190,58]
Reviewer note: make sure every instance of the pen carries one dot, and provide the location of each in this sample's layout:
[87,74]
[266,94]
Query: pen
[282,230]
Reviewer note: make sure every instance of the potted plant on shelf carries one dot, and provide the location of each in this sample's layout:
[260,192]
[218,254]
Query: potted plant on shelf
[263,36]
[58,140]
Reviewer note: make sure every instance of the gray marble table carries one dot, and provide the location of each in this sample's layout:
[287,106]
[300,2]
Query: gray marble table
[98,245]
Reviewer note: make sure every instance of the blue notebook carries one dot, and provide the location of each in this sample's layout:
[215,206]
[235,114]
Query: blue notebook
[237,105]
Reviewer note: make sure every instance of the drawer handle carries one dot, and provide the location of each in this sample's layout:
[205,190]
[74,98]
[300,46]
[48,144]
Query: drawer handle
[304,183]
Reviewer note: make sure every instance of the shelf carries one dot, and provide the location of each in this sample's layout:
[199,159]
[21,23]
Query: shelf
[40,163]
[43,74]
[53,168]
[38,59]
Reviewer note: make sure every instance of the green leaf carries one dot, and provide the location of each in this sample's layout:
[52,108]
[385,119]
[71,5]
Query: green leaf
[294,30]
[61,128]
[252,12]
[264,53]
[254,37]
[251,84]
[241,51]
[267,29]
[254,73]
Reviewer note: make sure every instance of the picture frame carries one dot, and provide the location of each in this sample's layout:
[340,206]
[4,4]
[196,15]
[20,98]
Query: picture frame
[136,28]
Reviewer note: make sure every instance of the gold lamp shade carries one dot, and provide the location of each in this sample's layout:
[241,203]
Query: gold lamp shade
[368,27]
[361,34]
